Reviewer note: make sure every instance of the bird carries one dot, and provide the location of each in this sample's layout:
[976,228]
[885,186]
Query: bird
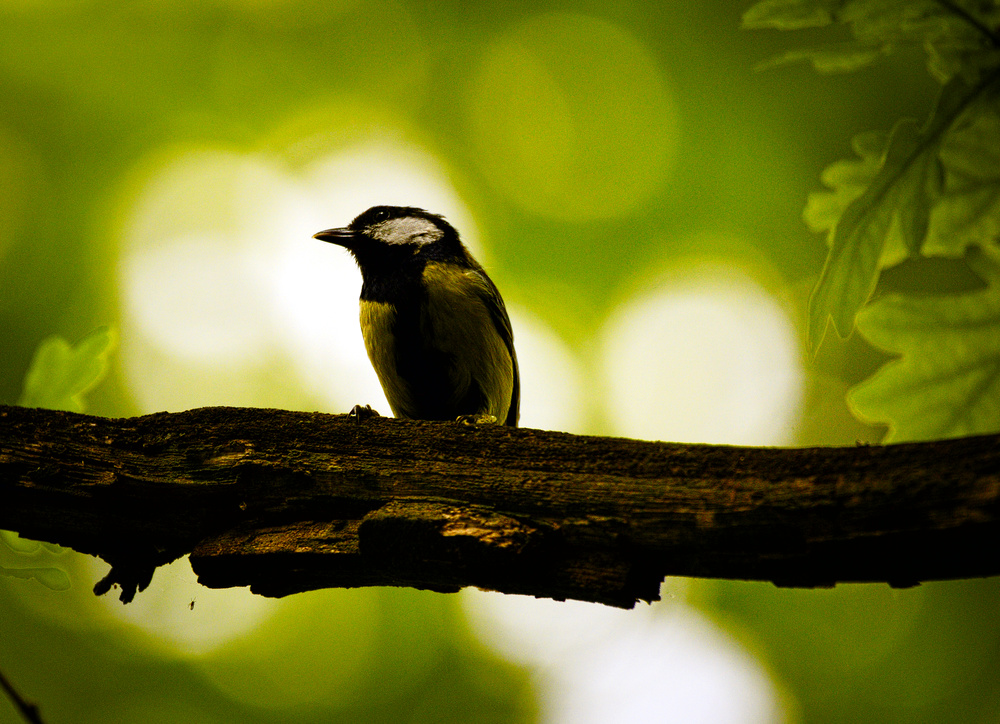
[434,324]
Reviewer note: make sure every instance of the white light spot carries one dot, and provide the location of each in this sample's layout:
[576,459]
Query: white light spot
[378,174]
[709,358]
[315,289]
[177,611]
[551,380]
[675,668]
[599,665]
[198,299]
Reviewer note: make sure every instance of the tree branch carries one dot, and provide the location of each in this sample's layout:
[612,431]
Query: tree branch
[291,501]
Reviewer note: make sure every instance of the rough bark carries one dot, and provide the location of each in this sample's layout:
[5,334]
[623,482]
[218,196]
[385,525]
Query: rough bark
[291,501]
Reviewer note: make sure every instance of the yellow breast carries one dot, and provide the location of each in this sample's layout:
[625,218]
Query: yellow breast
[377,320]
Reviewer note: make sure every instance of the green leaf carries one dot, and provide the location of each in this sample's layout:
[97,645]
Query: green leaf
[858,239]
[892,213]
[918,191]
[53,578]
[21,550]
[61,373]
[842,58]
[969,210]
[957,44]
[959,37]
[946,381]
[790,14]
[848,179]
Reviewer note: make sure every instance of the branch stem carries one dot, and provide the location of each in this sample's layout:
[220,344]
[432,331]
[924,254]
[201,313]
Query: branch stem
[291,501]
[27,710]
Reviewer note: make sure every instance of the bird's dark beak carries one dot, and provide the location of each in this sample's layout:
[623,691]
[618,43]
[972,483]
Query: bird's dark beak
[342,237]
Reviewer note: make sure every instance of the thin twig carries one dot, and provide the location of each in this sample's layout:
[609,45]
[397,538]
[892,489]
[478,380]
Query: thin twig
[971,20]
[28,710]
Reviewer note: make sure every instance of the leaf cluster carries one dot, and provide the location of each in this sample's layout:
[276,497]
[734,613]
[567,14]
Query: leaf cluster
[59,376]
[921,190]
[959,36]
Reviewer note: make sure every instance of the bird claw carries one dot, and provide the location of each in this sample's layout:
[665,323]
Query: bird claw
[361,414]
[480,419]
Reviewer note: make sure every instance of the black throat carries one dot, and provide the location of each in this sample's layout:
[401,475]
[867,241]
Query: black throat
[392,277]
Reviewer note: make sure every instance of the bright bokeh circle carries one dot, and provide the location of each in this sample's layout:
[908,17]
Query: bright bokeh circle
[710,355]
[598,665]
[572,117]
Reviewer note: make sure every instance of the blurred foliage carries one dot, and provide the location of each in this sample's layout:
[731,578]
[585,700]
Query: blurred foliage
[22,552]
[869,653]
[59,376]
[930,190]
[945,382]
[61,373]
[596,143]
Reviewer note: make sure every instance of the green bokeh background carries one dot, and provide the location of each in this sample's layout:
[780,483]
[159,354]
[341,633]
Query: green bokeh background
[595,143]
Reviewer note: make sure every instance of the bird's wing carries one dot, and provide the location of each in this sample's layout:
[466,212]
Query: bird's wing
[490,296]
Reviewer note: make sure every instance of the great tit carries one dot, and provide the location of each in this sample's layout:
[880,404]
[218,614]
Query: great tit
[435,327]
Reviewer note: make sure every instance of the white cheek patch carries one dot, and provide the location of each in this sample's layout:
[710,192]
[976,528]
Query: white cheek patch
[407,230]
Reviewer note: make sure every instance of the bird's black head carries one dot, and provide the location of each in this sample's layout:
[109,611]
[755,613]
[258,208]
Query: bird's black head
[395,234]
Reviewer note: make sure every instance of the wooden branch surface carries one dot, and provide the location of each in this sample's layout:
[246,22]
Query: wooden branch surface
[291,501]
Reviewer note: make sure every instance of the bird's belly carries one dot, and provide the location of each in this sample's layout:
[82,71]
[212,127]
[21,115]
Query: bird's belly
[378,320]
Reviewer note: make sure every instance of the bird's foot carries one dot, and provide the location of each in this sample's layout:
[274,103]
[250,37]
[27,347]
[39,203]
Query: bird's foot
[480,419]
[361,414]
